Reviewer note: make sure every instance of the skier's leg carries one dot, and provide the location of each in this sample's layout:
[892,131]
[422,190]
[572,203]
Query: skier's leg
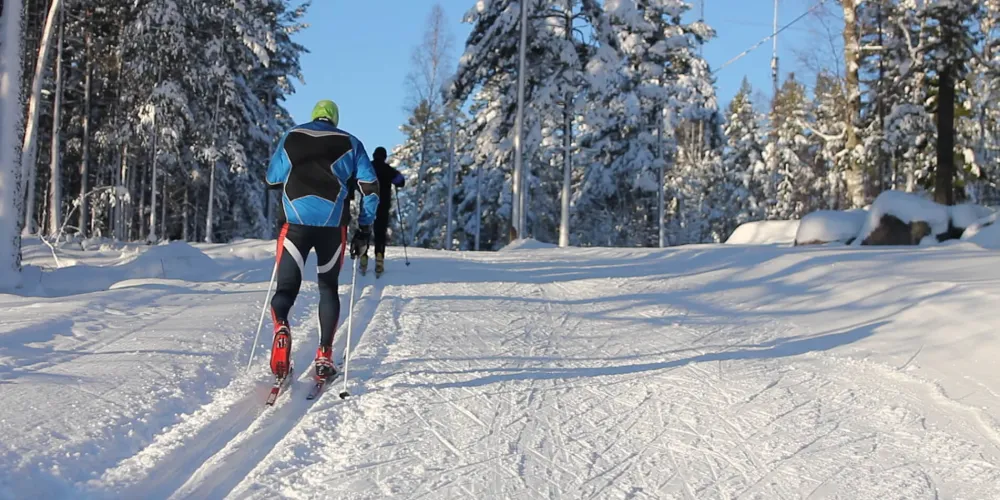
[292,245]
[292,250]
[330,250]
[381,226]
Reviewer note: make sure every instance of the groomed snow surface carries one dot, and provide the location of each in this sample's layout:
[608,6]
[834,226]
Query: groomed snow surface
[711,371]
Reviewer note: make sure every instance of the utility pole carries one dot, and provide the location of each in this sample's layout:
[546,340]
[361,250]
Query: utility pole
[774,53]
[517,200]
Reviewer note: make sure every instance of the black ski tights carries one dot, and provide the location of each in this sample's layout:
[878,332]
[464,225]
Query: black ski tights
[294,244]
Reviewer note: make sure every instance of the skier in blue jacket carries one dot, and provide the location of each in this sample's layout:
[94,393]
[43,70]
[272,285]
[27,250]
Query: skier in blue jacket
[312,166]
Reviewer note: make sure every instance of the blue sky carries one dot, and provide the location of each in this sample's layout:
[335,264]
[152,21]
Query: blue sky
[360,54]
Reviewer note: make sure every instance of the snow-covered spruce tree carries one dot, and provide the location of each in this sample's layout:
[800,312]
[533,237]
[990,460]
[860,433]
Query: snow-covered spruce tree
[948,39]
[10,135]
[697,185]
[881,40]
[489,64]
[629,141]
[425,153]
[983,126]
[487,75]
[742,159]
[831,165]
[789,176]
[423,159]
[144,79]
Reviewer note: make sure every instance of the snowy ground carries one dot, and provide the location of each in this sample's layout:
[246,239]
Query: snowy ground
[722,371]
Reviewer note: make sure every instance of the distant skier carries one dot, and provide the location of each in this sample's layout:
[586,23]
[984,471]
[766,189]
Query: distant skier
[312,165]
[387,177]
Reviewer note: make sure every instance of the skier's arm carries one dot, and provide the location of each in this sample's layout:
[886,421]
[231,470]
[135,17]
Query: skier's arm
[367,185]
[398,178]
[280,166]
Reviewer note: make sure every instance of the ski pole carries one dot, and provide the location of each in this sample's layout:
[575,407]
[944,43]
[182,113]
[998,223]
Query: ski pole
[263,312]
[402,228]
[350,329]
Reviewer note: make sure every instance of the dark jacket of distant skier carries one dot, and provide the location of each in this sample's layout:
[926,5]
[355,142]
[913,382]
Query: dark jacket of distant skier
[312,166]
[387,177]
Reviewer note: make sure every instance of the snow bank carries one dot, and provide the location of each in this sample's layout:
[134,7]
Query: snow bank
[175,260]
[985,233]
[767,232]
[528,244]
[826,226]
[967,215]
[907,207]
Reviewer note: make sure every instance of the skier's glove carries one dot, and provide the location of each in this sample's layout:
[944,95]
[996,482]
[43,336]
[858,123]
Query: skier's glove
[359,244]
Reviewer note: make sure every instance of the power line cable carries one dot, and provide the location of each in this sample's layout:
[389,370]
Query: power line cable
[772,35]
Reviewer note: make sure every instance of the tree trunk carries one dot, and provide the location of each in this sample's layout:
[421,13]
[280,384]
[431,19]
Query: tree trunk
[451,183]
[855,173]
[10,172]
[55,164]
[85,161]
[185,234]
[29,149]
[143,229]
[517,185]
[567,145]
[945,174]
[479,205]
[213,164]
[163,210]
[151,237]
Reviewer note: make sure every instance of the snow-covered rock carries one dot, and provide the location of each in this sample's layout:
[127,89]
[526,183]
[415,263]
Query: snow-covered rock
[891,230]
[899,218]
[905,208]
[828,226]
[766,232]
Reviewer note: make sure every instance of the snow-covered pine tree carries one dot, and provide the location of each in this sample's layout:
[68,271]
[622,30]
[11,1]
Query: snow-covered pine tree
[984,121]
[423,159]
[629,140]
[789,176]
[699,187]
[431,61]
[742,160]
[10,132]
[133,62]
[488,70]
[831,163]
[948,40]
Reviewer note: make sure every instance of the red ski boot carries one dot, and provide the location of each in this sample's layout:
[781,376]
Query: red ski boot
[281,350]
[324,363]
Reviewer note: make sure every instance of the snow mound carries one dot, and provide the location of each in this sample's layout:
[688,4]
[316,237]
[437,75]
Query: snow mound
[967,215]
[176,260]
[907,207]
[767,232]
[173,260]
[826,226]
[528,244]
[985,233]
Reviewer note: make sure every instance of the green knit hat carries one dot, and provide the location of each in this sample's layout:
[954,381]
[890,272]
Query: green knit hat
[326,109]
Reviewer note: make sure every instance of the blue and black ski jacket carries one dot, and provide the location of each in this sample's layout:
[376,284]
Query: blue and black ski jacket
[312,166]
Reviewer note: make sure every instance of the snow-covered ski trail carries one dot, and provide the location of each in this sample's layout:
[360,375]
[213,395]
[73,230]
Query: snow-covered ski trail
[696,372]
[205,456]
